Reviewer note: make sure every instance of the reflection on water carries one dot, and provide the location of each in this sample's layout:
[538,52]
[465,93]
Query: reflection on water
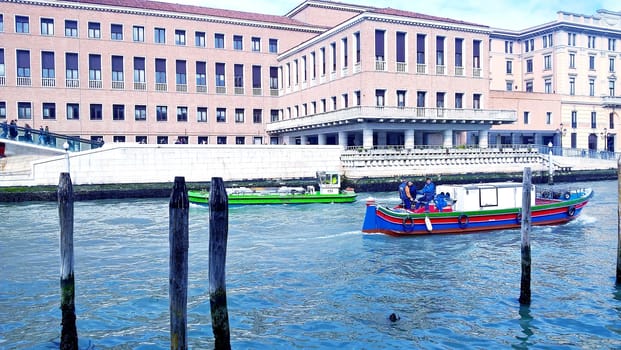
[306,277]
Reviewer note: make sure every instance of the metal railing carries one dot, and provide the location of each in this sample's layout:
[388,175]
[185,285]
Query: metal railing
[44,138]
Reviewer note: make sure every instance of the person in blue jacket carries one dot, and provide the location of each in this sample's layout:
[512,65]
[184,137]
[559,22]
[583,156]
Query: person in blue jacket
[402,194]
[428,193]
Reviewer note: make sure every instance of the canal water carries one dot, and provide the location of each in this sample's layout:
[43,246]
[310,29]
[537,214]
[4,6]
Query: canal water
[306,277]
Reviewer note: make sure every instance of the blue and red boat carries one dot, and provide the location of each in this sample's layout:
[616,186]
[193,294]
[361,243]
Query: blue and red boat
[476,208]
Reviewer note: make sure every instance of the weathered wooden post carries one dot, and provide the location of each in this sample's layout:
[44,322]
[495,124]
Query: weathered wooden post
[526,226]
[619,220]
[218,235]
[69,332]
[178,238]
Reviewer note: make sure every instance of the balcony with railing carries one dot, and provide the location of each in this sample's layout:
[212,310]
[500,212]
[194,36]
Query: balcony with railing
[161,87]
[274,92]
[72,83]
[181,87]
[440,70]
[95,84]
[257,91]
[118,85]
[220,89]
[383,114]
[140,85]
[459,71]
[2,80]
[402,67]
[24,81]
[421,68]
[476,72]
[357,67]
[380,65]
[48,82]
[201,88]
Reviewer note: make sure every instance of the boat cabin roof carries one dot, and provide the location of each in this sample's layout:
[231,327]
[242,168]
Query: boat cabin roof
[485,196]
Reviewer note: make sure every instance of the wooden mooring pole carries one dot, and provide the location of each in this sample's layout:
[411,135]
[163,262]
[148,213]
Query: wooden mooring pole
[218,235]
[525,231]
[618,221]
[178,237]
[69,332]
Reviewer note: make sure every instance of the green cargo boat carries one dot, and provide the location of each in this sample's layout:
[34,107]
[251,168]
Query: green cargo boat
[329,184]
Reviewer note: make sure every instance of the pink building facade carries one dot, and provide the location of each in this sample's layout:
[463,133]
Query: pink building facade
[324,73]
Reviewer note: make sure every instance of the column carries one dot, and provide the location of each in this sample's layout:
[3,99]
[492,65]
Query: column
[483,138]
[448,138]
[343,139]
[286,140]
[303,140]
[367,138]
[408,141]
[321,139]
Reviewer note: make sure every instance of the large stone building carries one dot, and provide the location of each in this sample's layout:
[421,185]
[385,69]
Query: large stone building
[324,73]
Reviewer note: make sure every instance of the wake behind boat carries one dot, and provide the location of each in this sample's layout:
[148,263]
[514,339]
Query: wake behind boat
[329,184]
[475,208]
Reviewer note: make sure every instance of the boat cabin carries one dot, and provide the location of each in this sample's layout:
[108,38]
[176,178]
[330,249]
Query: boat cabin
[329,182]
[485,196]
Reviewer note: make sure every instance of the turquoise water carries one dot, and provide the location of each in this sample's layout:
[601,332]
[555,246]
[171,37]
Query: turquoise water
[305,277]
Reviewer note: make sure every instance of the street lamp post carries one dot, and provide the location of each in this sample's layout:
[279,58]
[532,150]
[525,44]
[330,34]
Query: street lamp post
[550,169]
[604,135]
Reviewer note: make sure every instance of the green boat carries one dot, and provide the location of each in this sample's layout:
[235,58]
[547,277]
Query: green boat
[329,184]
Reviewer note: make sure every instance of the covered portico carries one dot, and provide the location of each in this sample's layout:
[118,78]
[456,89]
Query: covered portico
[369,127]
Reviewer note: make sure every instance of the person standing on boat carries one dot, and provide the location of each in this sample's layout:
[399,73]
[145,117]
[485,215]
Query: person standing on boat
[410,194]
[402,195]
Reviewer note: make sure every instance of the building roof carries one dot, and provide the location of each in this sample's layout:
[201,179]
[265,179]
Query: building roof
[195,10]
[410,14]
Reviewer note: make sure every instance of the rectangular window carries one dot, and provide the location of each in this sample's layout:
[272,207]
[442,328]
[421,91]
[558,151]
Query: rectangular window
[139,72]
[117,69]
[459,100]
[1,23]
[219,41]
[593,120]
[73,111]
[548,118]
[273,45]
[459,44]
[591,41]
[24,110]
[182,114]
[420,48]
[3,110]
[221,140]
[571,39]
[611,64]
[591,87]
[201,73]
[574,119]
[592,62]
[509,85]
[138,33]
[572,86]
[345,52]
[199,39]
[238,42]
[162,140]
[508,46]
[529,65]
[94,68]
[71,63]
[48,70]
[118,112]
[71,28]
[333,51]
[94,30]
[547,84]
[476,101]
[572,60]
[220,82]
[440,51]
[420,99]
[526,117]
[612,44]
[180,37]
[96,111]
[221,115]
[49,111]
[547,62]
[274,78]
[529,86]
[257,116]
[440,99]
[256,77]
[240,140]
[116,31]
[400,41]
[159,36]
[180,73]
[160,71]
[401,98]
[239,115]
[509,67]
[379,44]
[238,70]
[201,114]
[256,44]
[23,63]
[22,24]
[47,26]
[140,112]
[380,98]
[161,113]
[611,88]
[476,53]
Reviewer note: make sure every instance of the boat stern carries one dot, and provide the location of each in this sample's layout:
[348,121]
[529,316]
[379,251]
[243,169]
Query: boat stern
[370,216]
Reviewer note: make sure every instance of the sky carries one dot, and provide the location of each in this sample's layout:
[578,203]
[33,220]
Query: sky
[504,14]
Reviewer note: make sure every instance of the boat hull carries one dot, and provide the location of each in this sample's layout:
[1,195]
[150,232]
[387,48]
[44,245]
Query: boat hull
[400,222]
[202,197]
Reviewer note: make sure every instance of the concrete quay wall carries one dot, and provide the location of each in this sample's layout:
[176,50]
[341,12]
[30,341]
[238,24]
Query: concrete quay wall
[125,163]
